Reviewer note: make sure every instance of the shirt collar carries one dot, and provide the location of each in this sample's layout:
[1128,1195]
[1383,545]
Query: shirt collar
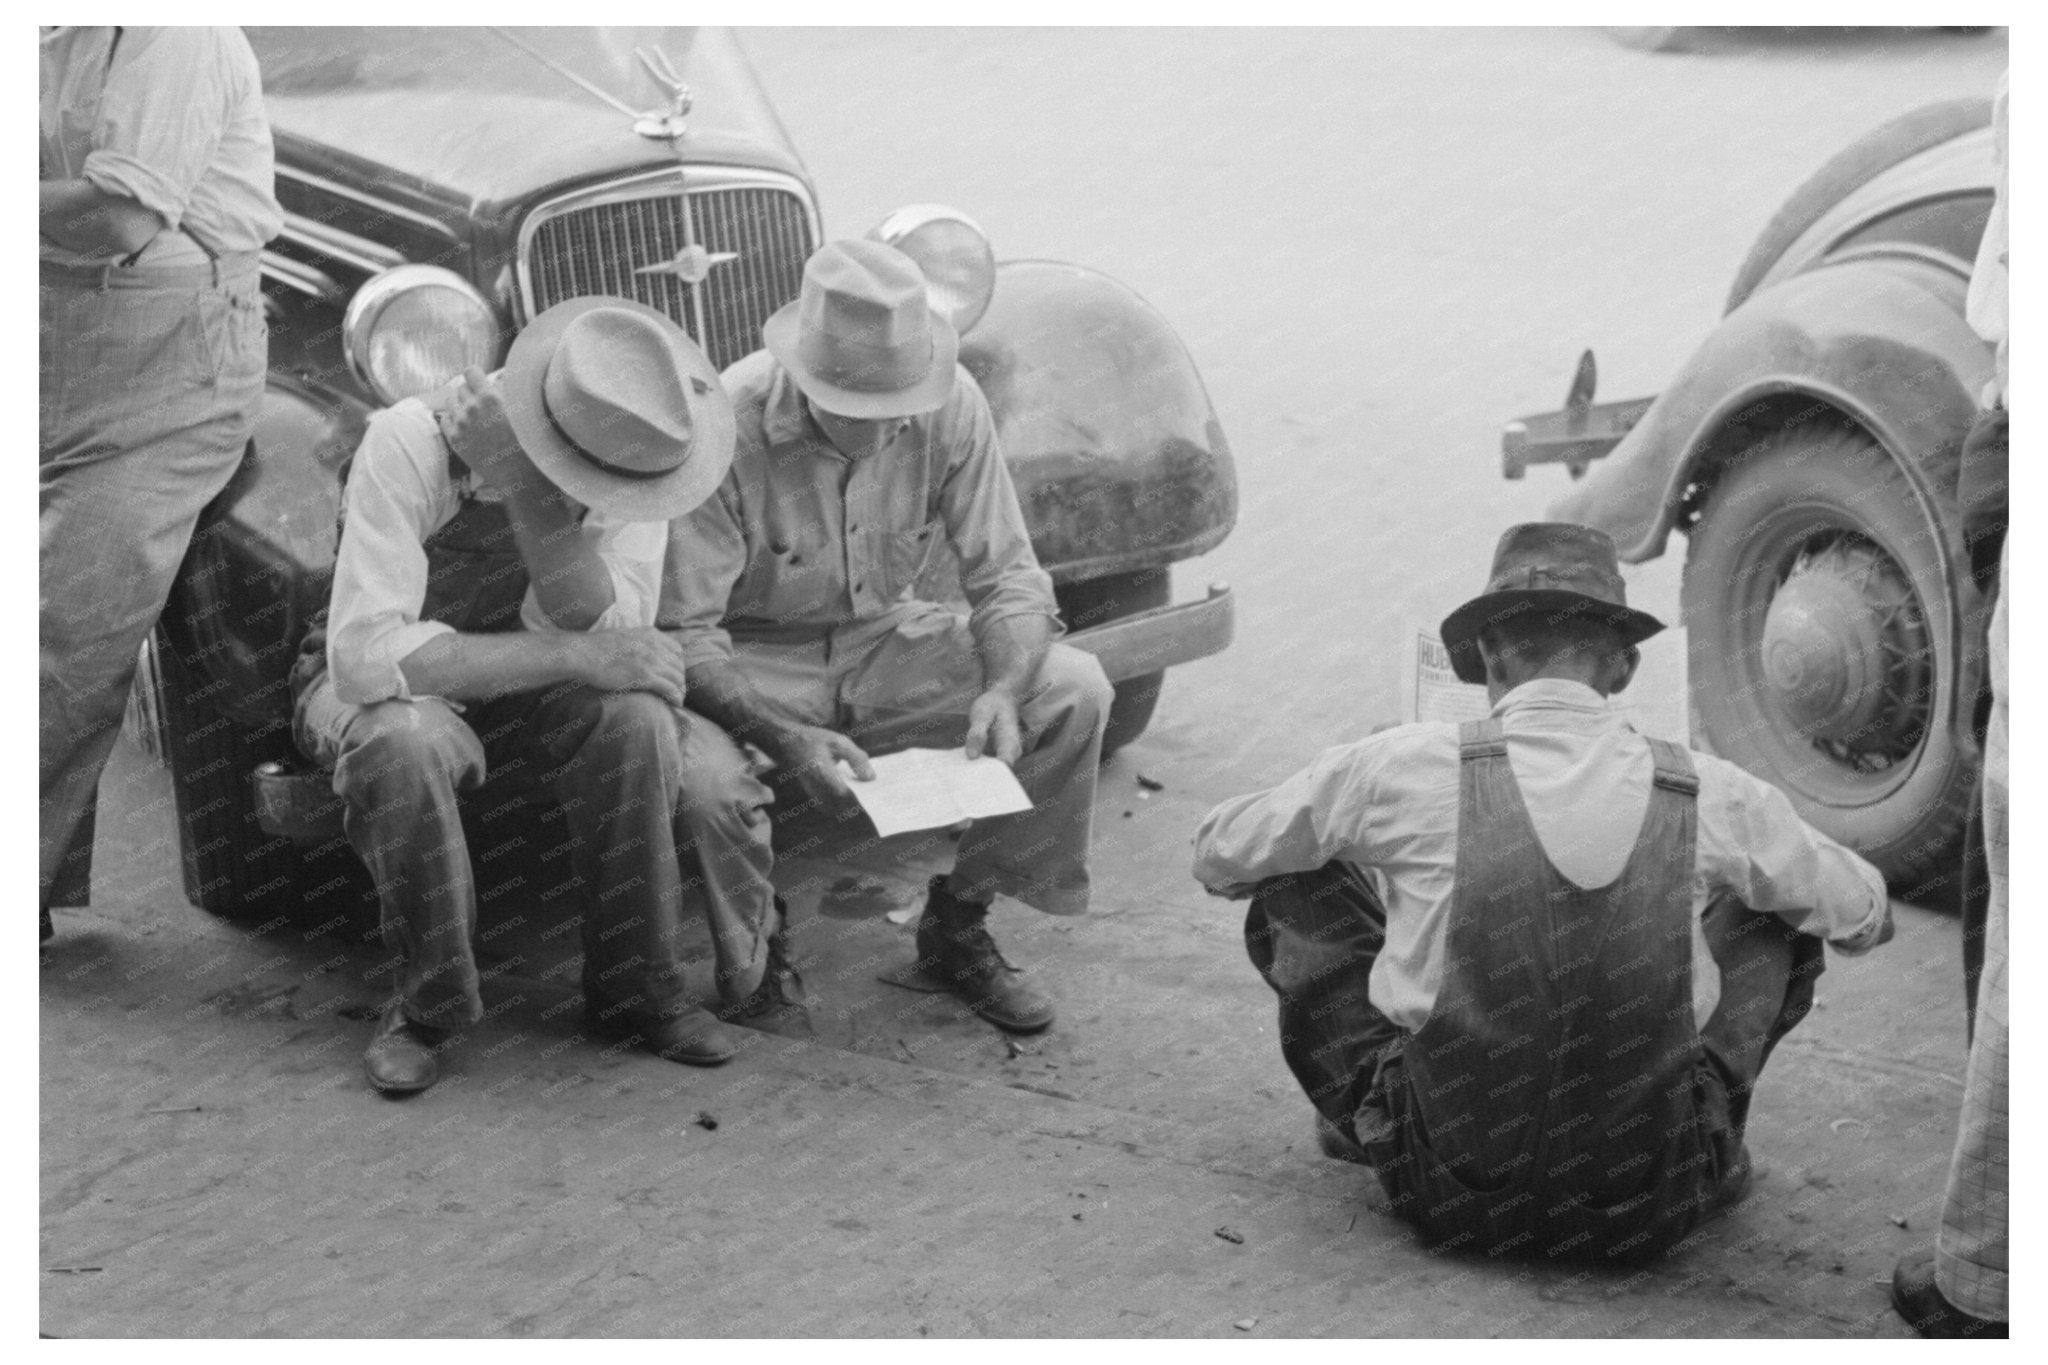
[1550,694]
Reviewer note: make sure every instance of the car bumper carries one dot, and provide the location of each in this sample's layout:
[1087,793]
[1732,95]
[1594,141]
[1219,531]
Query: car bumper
[1148,641]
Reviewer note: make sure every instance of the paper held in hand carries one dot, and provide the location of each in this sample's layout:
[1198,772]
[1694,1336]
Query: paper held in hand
[933,788]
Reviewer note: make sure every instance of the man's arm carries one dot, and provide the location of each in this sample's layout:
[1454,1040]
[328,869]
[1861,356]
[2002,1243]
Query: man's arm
[1013,615]
[1325,811]
[810,753]
[1755,845]
[466,667]
[563,556]
[80,216]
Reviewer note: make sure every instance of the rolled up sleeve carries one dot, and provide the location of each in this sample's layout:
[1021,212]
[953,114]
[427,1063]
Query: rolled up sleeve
[380,571]
[706,552]
[999,571]
[161,117]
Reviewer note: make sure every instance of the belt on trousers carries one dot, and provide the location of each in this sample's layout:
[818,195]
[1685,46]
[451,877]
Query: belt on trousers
[110,275]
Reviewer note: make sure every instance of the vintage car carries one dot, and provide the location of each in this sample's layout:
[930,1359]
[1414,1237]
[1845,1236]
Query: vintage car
[1809,452]
[441,187]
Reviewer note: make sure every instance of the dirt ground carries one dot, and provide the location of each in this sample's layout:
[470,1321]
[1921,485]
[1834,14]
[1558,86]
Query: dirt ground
[1378,247]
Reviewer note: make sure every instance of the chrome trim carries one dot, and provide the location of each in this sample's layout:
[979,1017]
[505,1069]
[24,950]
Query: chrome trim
[1148,641]
[360,321]
[305,279]
[383,206]
[365,255]
[669,180]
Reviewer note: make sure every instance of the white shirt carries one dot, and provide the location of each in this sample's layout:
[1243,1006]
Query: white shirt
[172,118]
[1388,805]
[399,493]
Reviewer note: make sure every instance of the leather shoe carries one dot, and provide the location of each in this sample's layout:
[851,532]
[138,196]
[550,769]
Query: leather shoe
[779,1004]
[404,1056]
[1918,1300]
[955,950]
[695,1037]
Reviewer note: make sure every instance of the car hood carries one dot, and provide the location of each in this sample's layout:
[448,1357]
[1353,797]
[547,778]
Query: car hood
[492,115]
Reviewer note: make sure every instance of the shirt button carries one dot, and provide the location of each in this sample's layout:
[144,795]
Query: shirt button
[858,586]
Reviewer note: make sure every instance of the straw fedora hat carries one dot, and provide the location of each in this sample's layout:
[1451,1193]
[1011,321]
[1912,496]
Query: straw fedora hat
[1554,567]
[861,339]
[618,408]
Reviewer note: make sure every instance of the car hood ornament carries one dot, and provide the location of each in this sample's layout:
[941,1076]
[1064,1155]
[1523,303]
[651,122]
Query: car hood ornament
[692,265]
[664,125]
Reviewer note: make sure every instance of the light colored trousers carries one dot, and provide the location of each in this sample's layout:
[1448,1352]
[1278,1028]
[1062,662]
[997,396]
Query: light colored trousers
[640,785]
[905,680]
[1971,1249]
[149,384]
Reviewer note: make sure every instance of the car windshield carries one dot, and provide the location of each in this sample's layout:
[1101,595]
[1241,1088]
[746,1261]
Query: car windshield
[549,62]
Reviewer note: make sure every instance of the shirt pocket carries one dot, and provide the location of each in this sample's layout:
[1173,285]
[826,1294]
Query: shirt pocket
[906,555]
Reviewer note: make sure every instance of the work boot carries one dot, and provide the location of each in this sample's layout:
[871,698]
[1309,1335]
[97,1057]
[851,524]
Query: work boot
[695,1037]
[779,1004]
[955,950]
[403,1057]
[1919,1301]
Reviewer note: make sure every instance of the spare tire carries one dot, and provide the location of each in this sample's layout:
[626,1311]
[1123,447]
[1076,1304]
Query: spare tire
[1848,170]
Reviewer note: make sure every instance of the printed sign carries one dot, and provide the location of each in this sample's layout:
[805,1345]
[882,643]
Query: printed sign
[1654,701]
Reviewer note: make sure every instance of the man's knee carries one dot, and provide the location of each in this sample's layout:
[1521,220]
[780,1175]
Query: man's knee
[399,751]
[1074,685]
[628,739]
[721,794]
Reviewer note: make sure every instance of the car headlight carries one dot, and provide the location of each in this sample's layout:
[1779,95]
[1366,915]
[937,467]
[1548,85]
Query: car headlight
[959,264]
[414,328]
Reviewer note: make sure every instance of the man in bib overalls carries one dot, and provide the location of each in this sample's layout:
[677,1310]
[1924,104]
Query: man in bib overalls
[494,598]
[1531,966]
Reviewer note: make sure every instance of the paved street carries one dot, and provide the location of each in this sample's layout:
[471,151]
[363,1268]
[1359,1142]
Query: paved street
[1378,245]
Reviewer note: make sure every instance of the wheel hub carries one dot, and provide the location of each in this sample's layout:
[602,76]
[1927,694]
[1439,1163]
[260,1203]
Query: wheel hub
[1842,646]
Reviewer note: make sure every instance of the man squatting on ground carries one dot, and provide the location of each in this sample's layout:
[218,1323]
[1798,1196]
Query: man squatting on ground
[1521,968]
[861,442]
[154,200]
[494,597]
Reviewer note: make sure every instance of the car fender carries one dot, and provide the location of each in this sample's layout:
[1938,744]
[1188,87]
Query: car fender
[1882,342]
[262,559]
[1109,435]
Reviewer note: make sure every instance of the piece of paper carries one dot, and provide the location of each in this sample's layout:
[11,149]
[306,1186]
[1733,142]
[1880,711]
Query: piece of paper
[933,788]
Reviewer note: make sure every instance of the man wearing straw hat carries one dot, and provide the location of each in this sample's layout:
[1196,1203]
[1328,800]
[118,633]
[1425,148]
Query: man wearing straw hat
[862,444]
[493,605]
[1521,965]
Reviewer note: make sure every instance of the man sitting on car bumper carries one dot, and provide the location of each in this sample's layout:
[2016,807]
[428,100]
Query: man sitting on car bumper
[1518,965]
[862,443]
[494,594]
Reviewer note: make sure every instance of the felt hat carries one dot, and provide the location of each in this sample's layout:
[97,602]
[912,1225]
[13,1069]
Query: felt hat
[1556,568]
[614,403]
[861,339]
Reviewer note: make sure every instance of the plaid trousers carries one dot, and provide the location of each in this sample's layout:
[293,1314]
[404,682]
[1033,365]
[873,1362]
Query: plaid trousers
[1970,1250]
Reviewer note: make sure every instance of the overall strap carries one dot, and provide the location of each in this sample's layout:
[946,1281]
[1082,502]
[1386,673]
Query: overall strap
[1674,768]
[1484,738]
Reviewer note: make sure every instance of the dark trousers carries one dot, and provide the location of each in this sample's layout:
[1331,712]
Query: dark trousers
[1314,937]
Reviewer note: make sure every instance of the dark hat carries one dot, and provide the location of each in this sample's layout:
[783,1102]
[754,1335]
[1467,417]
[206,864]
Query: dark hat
[861,339]
[614,403]
[1553,567]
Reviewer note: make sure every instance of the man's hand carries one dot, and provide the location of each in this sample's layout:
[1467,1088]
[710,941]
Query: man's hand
[993,727]
[811,754]
[473,419]
[638,660]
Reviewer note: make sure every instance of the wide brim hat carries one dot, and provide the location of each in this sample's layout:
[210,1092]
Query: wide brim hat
[1558,569]
[861,339]
[701,455]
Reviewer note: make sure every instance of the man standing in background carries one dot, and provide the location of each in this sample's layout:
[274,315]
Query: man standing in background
[155,201]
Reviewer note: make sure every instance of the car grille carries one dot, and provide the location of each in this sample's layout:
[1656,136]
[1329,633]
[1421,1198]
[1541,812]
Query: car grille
[595,250]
